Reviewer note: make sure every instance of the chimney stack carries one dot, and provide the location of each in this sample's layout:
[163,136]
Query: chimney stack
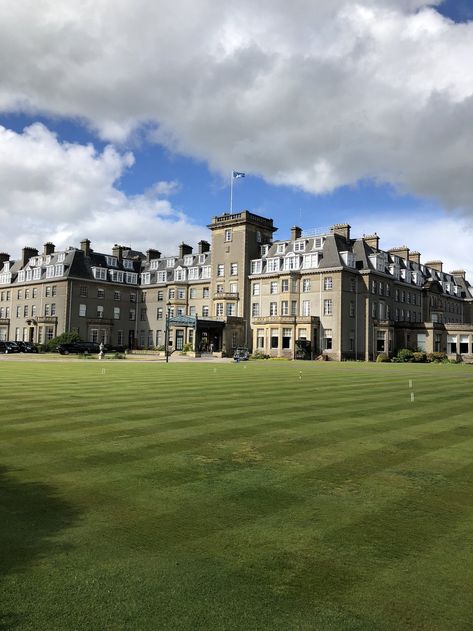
[184,249]
[458,273]
[296,233]
[153,254]
[117,251]
[371,240]
[26,254]
[436,265]
[4,257]
[85,247]
[342,229]
[204,246]
[414,256]
[48,248]
[402,251]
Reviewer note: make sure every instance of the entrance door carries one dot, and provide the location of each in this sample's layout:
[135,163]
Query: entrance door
[179,340]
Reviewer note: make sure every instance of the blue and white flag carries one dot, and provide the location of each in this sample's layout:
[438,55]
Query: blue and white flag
[238,174]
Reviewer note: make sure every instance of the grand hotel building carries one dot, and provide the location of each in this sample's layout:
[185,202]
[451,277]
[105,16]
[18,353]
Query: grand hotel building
[310,295]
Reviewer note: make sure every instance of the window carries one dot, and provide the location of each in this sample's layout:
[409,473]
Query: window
[170,262]
[100,293]
[132,314]
[381,341]
[255,309]
[353,284]
[293,307]
[285,307]
[205,292]
[47,310]
[188,259]
[306,284]
[100,273]
[233,288]
[127,265]
[116,276]
[421,341]
[273,265]
[328,283]
[274,338]
[256,266]
[192,310]
[159,313]
[161,277]
[116,313]
[99,311]
[286,337]
[192,292]
[233,269]
[132,297]
[171,293]
[328,339]
[328,307]
[116,295]
[273,308]
[256,289]
[37,273]
[35,292]
[146,278]
[94,335]
[27,294]
[33,311]
[25,311]
[219,309]
[306,307]
[299,246]
[352,309]
[220,288]
[260,338]
[280,248]
[205,311]
[228,234]
[273,288]
[111,261]
[181,293]
[59,270]
[193,273]
[285,285]
[231,309]
[179,274]
[221,270]
[53,309]
[310,260]
[291,262]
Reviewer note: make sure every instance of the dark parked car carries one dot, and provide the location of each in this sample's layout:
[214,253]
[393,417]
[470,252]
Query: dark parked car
[241,355]
[78,348]
[114,348]
[27,347]
[9,347]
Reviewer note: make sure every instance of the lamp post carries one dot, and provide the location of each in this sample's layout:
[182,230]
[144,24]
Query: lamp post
[166,336]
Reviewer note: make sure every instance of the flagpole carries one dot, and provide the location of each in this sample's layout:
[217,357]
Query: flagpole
[231,193]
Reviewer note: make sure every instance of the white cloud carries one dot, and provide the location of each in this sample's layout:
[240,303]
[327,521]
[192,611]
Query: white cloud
[65,192]
[313,93]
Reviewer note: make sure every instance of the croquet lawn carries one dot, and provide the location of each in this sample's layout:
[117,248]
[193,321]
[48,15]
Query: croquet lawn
[259,496]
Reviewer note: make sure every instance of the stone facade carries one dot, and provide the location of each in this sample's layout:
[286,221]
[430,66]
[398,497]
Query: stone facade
[312,295]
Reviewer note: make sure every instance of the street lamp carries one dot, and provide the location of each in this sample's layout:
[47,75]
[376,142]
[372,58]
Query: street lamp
[166,335]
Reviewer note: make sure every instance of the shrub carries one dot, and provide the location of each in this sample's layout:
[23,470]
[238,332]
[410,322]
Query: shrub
[419,357]
[259,355]
[65,338]
[405,355]
[382,357]
[437,357]
[187,348]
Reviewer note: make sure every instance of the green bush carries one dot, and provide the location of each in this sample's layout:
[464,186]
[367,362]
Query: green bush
[382,357]
[65,338]
[437,357]
[405,355]
[419,357]
[259,355]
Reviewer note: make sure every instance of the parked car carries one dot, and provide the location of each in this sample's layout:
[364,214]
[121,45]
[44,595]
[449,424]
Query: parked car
[9,347]
[114,348]
[27,347]
[78,348]
[241,355]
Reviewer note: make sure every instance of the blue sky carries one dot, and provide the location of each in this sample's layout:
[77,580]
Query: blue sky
[287,100]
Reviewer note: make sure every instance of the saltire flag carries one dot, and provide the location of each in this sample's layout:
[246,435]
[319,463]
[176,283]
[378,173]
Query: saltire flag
[237,174]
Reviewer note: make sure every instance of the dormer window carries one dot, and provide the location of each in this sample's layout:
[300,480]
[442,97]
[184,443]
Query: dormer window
[201,258]
[299,246]
[318,243]
[256,266]
[146,278]
[348,258]
[60,257]
[291,262]
[179,274]
[280,248]
[127,264]
[188,259]
[112,261]
[264,250]
[170,262]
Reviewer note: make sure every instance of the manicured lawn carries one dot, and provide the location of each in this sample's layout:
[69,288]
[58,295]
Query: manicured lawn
[258,496]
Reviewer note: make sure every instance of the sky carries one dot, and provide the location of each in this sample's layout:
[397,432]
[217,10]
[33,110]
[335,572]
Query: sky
[122,120]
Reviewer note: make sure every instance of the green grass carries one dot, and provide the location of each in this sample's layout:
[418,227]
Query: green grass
[259,496]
